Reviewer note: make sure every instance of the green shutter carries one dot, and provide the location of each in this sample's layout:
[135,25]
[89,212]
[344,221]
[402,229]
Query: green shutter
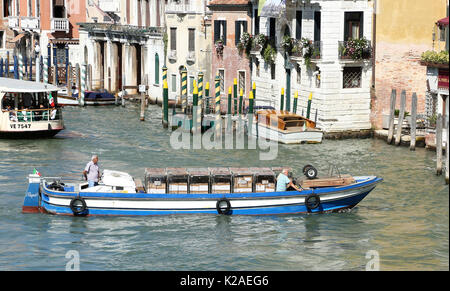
[156,69]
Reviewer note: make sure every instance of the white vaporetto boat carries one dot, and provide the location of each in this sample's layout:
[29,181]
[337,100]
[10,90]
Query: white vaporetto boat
[29,109]
[285,127]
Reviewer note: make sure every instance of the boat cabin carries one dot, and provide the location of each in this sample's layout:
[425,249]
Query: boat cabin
[284,120]
[28,109]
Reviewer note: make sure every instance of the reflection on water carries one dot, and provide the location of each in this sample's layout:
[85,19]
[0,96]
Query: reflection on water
[405,219]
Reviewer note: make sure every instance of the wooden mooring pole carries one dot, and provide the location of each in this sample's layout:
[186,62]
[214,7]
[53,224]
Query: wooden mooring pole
[400,118]
[412,145]
[439,145]
[392,116]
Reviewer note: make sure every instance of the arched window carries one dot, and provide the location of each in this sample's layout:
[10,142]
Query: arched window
[156,69]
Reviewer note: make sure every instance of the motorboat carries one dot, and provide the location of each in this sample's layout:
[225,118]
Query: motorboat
[168,191]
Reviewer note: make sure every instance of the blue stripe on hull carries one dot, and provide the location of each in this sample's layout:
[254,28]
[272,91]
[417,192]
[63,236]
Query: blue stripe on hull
[273,210]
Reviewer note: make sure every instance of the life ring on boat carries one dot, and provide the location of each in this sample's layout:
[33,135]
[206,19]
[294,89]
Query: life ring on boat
[220,206]
[312,201]
[310,172]
[78,205]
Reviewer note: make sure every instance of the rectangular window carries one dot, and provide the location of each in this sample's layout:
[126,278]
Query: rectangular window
[299,73]
[173,38]
[191,44]
[174,83]
[222,81]
[272,29]
[7,8]
[352,77]
[298,24]
[220,31]
[353,25]
[240,28]
[2,33]
[191,84]
[256,22]
[242,82]
[317,27]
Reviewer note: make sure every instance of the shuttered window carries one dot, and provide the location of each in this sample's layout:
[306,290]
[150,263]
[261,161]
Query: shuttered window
[298,24]
[240,28]
[173,38]
[220,31]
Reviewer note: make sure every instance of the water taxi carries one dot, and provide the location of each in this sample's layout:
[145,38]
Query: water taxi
[285,127]
[29,109]
[168,191]
[92,98]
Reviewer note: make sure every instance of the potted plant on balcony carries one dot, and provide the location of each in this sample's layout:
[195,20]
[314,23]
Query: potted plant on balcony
[287,43]
[435,59]
[245,43]
[259,41]
[219,47]
[269,54]
[308,50]
[356,49]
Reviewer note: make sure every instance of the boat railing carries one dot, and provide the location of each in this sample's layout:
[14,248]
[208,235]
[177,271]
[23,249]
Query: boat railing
[35,115]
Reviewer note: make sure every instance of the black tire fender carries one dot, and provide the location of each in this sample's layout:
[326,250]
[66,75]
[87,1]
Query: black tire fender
[312,201]
[219,206]
[310,172]
[76,208]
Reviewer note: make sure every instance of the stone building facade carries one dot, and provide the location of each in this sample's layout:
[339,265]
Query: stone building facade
[230,20]
[340,86]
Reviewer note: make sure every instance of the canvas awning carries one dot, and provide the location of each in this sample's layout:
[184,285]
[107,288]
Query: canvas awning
[271,8]
[442,22]
[18,37]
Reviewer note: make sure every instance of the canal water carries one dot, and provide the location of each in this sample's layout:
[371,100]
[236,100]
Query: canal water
[403,224]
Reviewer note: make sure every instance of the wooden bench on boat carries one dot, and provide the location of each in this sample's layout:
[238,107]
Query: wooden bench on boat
[341,180]
[284,120]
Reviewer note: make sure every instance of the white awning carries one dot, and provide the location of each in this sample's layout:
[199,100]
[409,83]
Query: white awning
[8,85]
[271,8]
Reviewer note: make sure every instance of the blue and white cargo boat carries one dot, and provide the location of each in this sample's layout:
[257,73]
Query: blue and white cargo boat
[167,191]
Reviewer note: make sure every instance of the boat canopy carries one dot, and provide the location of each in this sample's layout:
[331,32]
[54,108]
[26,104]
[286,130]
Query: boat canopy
[116,178]
[19,86]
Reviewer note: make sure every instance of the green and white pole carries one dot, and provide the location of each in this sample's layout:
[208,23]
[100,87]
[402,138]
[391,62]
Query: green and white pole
[295,101]
[200,100]
[282,99]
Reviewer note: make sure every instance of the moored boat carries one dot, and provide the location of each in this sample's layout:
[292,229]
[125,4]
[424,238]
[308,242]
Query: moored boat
[92,98]
[29,109]
[285,127]
[166,191]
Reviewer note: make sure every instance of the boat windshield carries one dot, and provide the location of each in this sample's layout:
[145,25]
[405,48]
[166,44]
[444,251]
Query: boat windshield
[31,106]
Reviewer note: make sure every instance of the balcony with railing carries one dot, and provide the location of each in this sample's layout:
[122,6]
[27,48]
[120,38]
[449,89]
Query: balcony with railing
[355,50]
[14,22]
[307,49]
[30,23]
[60,24]
[182,8]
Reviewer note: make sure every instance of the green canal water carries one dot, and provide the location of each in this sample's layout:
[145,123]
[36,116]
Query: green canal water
[404,221]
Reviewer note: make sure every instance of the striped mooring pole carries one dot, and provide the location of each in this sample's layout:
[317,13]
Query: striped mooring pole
[20,66]
[217,109]
[83,84]
[295,101]
[184,90]
[46,60]
[200,101]
[235,92]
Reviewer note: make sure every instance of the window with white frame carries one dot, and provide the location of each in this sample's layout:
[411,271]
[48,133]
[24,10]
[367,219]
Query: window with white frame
[174,83]
[242,82]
